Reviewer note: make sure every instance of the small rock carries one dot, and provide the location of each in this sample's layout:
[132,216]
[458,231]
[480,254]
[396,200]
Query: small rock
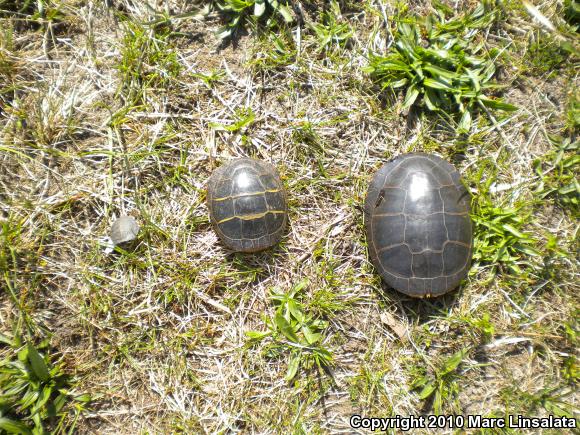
[124,229]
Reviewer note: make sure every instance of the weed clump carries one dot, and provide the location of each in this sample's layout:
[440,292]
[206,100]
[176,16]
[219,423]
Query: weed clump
[238,12]
[440,65]
[558,171]
[440,388]
[500,236]
[36,394]
[294,330]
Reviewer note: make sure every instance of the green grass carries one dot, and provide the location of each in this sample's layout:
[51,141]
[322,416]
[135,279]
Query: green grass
[558,172]
[440,388]
[274,51]
[501,239]
[238,12]
[546,56]
[294,330]
[554,402]
[330,31]
[147,62]
[18,6]
[19,258]
[210,79]
[441,65]
[572,12]
[36,394]
[244,118]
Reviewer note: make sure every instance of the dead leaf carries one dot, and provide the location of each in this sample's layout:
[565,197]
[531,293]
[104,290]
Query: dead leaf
[397,326]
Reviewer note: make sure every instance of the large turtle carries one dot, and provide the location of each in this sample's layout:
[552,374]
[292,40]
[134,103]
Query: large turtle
[418,227]
[247,204]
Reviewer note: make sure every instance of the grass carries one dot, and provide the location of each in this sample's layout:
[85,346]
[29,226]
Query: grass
[35,393]
[294,330]
[559,181]
[239,11]
[330,30]
[440,387]
[18,6]
[126,108]
[445,70]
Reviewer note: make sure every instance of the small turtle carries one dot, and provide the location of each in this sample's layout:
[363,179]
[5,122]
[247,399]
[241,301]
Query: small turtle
[124,229]
[247,205]
[418,227]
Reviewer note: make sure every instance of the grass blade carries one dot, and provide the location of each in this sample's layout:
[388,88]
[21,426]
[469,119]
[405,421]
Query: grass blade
[37,363]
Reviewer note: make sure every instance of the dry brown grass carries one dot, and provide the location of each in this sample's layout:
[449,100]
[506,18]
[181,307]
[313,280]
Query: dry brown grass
[101,116]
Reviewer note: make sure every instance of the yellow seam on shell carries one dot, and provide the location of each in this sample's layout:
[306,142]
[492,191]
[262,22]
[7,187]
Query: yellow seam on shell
[241,195]
[250,217]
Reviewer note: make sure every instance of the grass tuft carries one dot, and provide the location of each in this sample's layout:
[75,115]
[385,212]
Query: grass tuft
[36,395]
[441,65]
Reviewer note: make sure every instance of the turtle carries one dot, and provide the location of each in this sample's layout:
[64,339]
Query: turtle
[417,224]
[247,204]
[124,230]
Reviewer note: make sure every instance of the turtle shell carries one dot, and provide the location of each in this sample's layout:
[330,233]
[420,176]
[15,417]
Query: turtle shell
[247,205]
[417,222]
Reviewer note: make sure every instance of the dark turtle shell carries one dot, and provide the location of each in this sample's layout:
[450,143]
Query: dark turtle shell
[247,205]
[418,227]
